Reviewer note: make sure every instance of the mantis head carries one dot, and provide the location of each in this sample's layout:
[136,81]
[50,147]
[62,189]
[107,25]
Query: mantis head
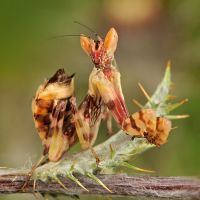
[101,51]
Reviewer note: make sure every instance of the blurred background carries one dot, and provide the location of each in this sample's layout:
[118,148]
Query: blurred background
[150,33]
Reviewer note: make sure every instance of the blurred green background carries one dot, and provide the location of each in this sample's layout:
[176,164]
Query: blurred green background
[150,33]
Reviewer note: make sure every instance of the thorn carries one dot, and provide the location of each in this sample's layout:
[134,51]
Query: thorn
[137,103]
[175,127]
[72,166]
[125,164]
[168,64]
[144,92]
[128,154]
[112,152]
[60,183]
[171,97]
[177,116]
[92,176]
[176,105]
[73,178]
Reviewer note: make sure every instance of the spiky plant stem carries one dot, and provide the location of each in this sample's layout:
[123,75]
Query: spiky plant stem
[114,152]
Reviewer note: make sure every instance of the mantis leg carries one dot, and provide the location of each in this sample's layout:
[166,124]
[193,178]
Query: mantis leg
[107,116]
[144,123]
[109,87]
[87,118]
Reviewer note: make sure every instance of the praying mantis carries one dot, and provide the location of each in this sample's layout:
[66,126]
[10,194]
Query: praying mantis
[61,123]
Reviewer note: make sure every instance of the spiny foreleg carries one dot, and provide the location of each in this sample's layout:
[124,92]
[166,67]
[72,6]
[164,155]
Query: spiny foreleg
[87,119]
[141,124]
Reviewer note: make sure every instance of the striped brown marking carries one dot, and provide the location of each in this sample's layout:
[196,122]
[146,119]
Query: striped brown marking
[43,129]
[45,150]
[139,123]
[141,117]
[133,124]
[69,129]
[157,123]
[53,116]
[51,131]
[88,103]
[110,105]
[148,116]
[155,129]
[160,126]
[58,111]
[86,137]
[126,124]
[62,131]
[92,108]
[44,119]
[62,112]
[41,114]
[61,77]
[44,104]
[160,134]
[91,136]
[163,130]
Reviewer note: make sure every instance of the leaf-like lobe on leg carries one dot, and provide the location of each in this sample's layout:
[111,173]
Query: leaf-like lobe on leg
[145,124]
[52,114]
